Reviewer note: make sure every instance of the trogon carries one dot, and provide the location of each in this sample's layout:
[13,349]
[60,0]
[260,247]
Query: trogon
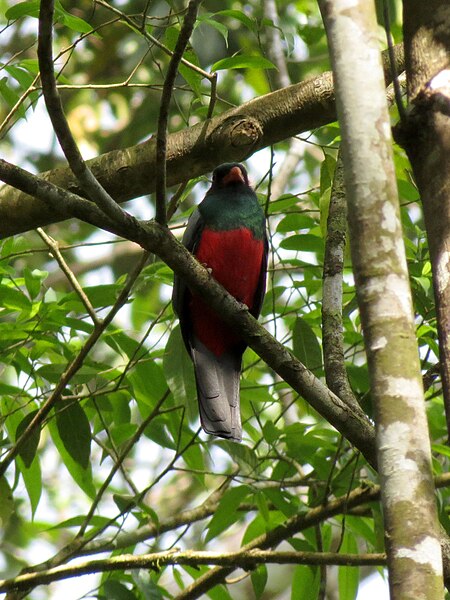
[227,234]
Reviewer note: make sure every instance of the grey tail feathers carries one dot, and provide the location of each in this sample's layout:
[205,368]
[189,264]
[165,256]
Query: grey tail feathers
[217,379]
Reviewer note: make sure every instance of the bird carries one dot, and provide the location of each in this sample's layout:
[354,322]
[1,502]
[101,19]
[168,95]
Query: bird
[227,234]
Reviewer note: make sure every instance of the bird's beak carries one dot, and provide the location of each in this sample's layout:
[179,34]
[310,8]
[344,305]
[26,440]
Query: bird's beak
[234,176]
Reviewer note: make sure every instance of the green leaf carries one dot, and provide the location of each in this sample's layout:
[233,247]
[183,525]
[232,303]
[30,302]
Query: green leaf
[22,9]
[23,77]
[305,242]
[239,16]
[283,204]
[81,476]
[210,20]
[33,281]
[295,222]
[227,513]
[99,296]
[148,381]
[14,299]
[259,580]
[31,474]
[305,345]
[146,586]
[241,61]
[75,23]
[179,372]
[305,583]
[114,590]
[244,456]
[348,577]
[95,521]
[28,450]
[7,503]
[75,432]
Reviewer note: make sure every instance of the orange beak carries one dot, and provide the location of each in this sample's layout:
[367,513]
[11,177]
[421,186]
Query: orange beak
[235,175]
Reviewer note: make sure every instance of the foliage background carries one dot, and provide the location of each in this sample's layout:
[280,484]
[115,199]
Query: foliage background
[129,415]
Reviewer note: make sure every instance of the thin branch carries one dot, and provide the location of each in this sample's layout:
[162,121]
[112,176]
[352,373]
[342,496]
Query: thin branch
[233,135]
[119,461]
[161,136]
[153,40]
[274,537]
[394,75]
[72,369]
[333,269]
[54,249]
[274,46]
[61,127]
[244,559]
[352,423]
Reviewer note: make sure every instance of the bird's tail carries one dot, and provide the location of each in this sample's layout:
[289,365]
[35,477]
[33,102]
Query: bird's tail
[217,379]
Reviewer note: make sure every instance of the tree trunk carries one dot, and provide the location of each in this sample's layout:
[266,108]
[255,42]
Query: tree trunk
[412,535]
[426,138]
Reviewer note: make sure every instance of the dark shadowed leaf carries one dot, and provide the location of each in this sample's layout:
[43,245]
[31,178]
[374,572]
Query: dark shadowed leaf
[305,345]
[179,372]
[75,432]
[28,449]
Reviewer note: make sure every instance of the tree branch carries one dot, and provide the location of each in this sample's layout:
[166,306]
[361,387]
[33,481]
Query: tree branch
[55,252]
[333,268]
[161,136]
[61,127]
[245,559]
[234,135]
[353,424]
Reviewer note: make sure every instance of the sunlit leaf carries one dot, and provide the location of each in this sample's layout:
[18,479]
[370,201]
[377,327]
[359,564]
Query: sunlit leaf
[348,577]
[226,513]
[242,62]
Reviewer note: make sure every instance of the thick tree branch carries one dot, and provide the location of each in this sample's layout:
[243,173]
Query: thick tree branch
[244,559]
[353,424]
[234,135]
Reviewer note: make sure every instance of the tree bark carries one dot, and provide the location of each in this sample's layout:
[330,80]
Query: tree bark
[426,138]
[234,135]
[403,448]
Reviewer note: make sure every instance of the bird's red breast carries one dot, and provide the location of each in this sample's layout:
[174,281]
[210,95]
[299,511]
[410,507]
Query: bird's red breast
[235,259]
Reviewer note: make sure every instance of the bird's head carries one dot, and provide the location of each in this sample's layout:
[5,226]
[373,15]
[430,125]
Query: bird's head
[229,174]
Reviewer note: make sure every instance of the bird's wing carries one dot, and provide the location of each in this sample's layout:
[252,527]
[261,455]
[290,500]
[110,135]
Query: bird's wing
[191,239]
[261,288]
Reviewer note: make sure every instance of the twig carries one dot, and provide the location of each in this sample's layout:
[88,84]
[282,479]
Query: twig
[118,463]
[161,136]
[153,40]
[72,369]
[394,74]
[54,249]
